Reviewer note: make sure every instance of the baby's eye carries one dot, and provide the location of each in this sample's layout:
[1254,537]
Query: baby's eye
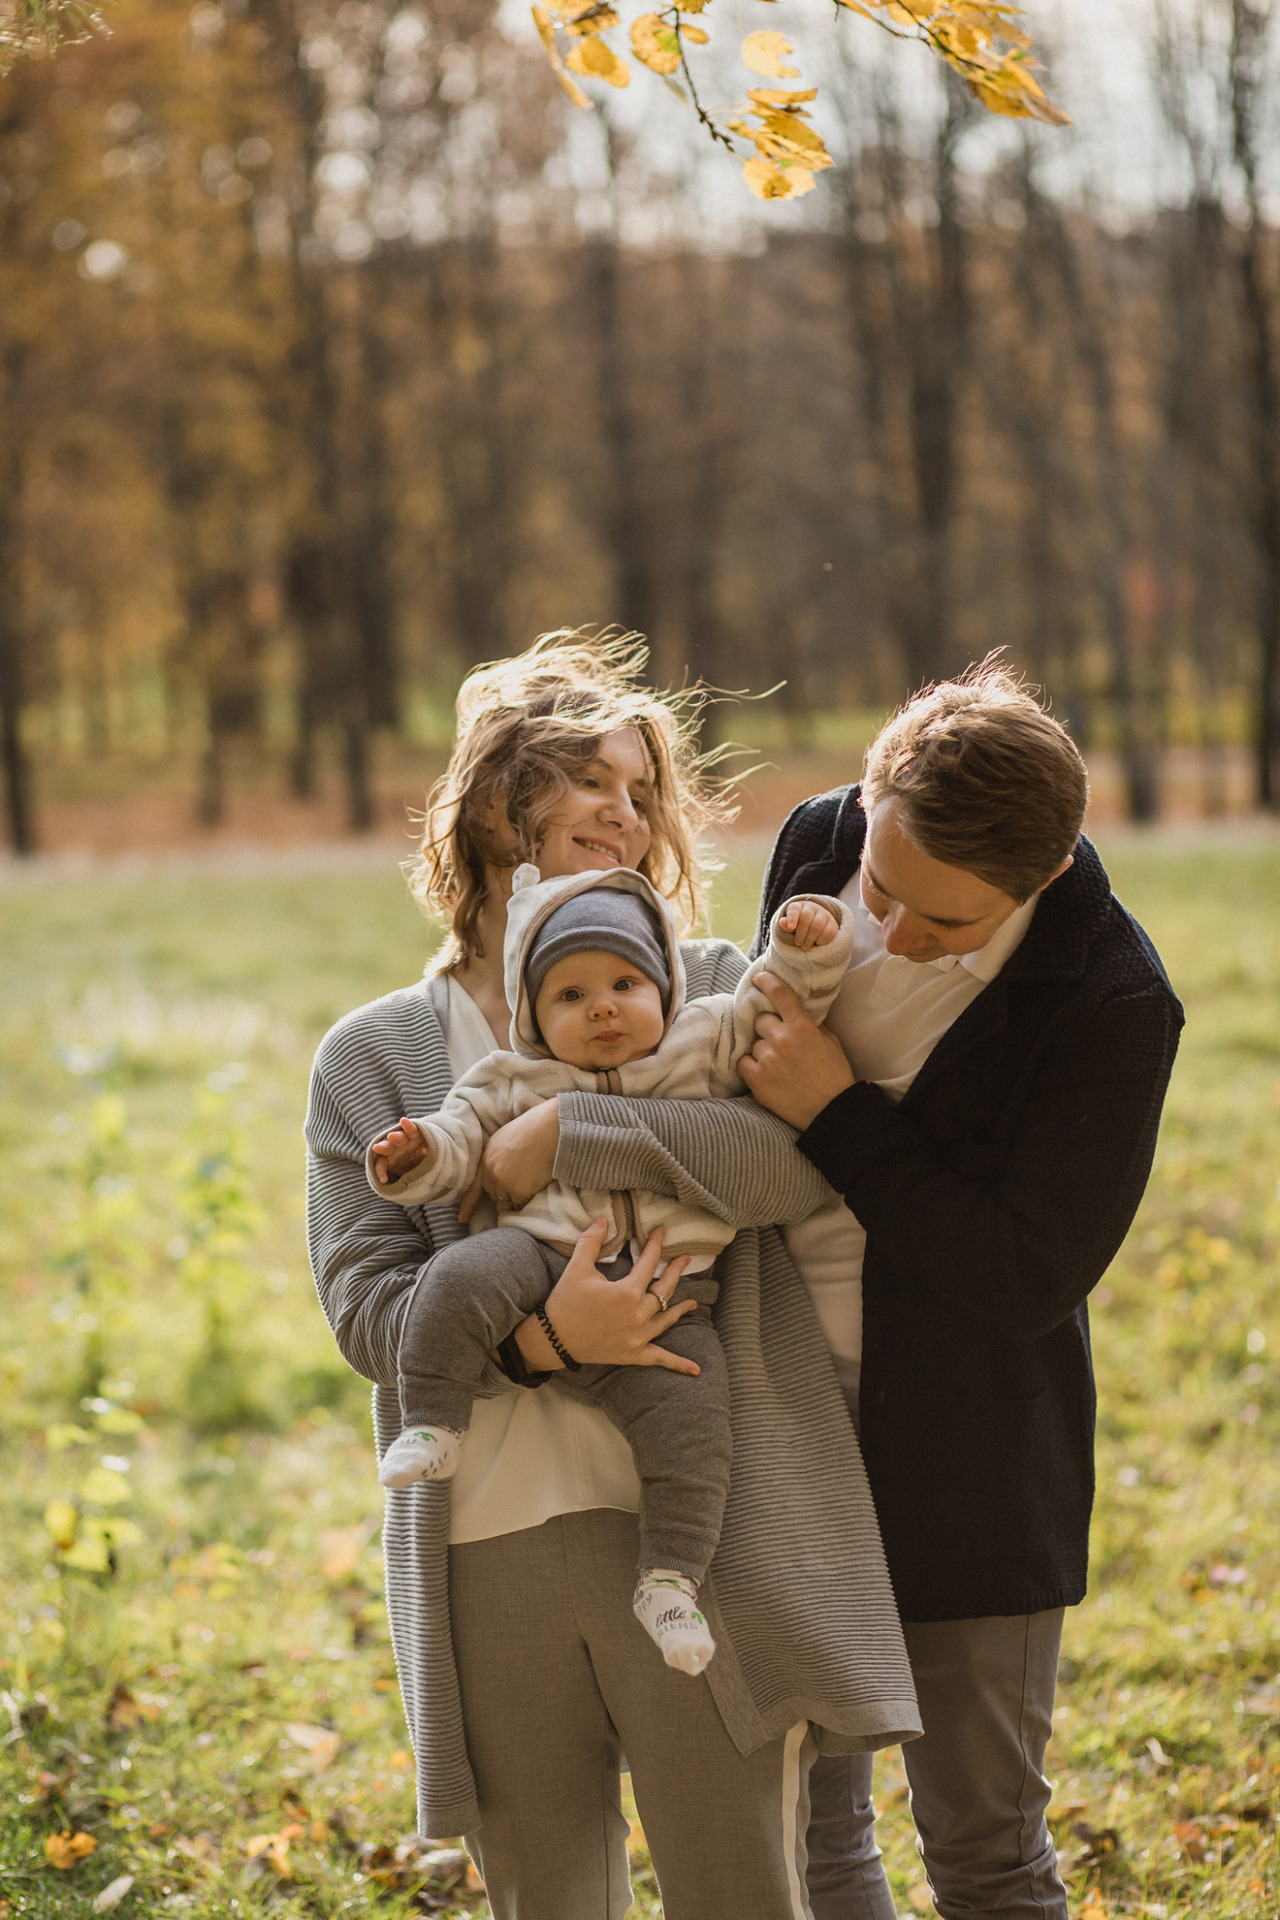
[622,986]
[571,994]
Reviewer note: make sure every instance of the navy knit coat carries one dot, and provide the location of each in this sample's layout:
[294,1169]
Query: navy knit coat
[993,1196]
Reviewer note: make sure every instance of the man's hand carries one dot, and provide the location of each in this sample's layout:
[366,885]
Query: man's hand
[611,1323]
[795,1068]
[518,1162]
[399,1150]
[804,924]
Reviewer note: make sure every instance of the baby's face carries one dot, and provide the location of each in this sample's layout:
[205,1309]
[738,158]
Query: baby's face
[596,1011]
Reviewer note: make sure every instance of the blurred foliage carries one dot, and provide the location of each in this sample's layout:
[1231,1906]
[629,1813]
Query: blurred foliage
[41,26]
[195,1669]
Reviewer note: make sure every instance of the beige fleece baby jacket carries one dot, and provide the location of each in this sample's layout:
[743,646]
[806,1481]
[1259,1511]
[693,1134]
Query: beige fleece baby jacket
[696,1059]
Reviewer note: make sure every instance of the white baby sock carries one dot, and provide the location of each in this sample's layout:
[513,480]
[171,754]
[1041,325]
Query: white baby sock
[666,1605]
[421,1453]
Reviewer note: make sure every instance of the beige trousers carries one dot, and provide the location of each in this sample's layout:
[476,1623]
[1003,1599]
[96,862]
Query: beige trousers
[558,1681]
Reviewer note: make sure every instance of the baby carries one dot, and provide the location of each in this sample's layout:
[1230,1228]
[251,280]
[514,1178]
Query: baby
[594,973]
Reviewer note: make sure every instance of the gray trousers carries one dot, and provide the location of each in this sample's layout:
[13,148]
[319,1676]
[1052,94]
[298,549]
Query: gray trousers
[475,1292]
[558,1680]
[978,1791]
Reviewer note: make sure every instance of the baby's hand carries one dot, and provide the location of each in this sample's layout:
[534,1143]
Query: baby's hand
[399,1150]
[805,924]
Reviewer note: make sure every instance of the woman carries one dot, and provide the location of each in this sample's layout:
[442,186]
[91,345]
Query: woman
[524,1674]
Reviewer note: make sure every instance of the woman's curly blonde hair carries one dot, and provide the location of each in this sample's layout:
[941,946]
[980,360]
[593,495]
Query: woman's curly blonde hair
[527,727]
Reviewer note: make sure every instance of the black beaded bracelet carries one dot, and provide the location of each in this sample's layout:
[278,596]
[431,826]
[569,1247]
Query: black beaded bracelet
[540,1315]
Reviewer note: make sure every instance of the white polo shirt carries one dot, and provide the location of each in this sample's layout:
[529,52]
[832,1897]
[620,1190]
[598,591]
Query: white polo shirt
[888,1016]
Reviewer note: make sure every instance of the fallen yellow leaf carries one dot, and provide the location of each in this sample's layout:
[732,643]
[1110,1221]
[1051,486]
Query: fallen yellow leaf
[66,1849]
[273,1850]
[320,1744]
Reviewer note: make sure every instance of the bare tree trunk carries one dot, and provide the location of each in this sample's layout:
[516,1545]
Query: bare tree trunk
[1250,22]
[935,405]
[18,797]
[1135,699]
[603,260]
[19,808]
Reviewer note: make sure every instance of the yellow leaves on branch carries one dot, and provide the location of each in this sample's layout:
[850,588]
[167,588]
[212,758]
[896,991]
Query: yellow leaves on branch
[788,151]
[592,56]
[655,44]
[546,28]
[763,53]
[982,40]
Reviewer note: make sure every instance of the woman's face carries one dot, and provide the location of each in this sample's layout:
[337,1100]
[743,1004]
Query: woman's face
[603,821]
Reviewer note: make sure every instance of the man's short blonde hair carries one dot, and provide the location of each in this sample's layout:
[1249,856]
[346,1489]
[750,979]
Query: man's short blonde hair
[984,778]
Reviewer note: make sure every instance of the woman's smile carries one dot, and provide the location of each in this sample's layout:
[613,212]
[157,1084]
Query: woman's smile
[603,820]
[603,847]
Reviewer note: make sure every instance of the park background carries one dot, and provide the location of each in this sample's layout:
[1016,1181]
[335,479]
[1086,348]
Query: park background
[337,355]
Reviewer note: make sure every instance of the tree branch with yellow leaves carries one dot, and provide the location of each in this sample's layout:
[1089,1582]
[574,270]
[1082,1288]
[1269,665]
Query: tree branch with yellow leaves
[41,26]
[981,40]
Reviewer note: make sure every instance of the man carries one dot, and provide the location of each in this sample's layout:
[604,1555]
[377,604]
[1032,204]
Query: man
[985,1097]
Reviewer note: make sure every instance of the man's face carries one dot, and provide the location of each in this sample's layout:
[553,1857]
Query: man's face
[925,908]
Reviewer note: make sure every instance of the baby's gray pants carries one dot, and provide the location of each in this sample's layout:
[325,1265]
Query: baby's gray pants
[477,1291]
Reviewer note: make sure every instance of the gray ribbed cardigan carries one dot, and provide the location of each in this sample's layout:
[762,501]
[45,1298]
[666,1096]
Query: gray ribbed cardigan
[799,1595]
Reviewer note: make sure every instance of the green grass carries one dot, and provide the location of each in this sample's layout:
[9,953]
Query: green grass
[157,1032]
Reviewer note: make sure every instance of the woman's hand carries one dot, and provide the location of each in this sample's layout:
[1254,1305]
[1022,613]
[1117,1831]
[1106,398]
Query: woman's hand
[518,1162]
[611,1323]
[795,1068]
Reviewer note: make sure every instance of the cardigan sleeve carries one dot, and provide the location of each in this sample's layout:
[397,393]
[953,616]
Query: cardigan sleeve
[1014,1238]
[728,1156]
[366,1252]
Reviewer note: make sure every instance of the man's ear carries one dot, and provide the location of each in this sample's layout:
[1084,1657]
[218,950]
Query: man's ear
[1068,862]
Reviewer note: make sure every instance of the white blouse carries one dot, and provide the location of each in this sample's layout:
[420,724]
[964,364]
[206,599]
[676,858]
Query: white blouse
[528,1455]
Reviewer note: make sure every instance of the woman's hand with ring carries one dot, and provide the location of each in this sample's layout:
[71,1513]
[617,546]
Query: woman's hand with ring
[605,1322]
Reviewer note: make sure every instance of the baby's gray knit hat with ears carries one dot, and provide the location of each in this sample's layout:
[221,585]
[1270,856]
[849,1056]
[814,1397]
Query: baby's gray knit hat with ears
[601,920]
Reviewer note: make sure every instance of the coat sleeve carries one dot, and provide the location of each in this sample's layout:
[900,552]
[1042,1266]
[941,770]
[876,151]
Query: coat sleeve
[1015,1237]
